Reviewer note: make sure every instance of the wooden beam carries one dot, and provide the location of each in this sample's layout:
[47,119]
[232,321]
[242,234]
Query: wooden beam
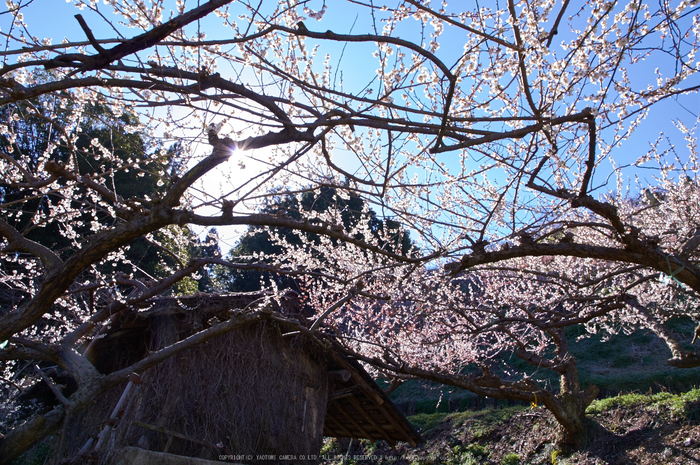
[351,420]
[368,417]
[341,393]
[390,415]
[358,379]
[172,434]
[342,428]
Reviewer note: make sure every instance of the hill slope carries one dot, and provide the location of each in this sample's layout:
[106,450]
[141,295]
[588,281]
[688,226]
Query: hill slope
[632,429]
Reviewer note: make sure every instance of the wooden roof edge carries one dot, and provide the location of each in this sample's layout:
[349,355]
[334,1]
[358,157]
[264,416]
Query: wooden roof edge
[379,398]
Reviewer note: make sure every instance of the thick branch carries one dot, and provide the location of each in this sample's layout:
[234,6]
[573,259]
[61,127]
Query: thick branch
[18,243]
[136,44]
[322,228]
[521,59]
[590,163]
[340,302]
[682,358]
[516,133]
[653,258]
[55,389]
[603,209]
[555,26]
[57,169]
[62,275]
[329,35]
[26,349]
[20,93]
[484,385]
[25,436]
[116,307]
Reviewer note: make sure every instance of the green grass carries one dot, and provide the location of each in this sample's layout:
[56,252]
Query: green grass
[467,438]
[625,363]
[671,379]
[681,324]
[683,405]
[481,422]
[510,459]
[635,362]
[477,450]
[426,422]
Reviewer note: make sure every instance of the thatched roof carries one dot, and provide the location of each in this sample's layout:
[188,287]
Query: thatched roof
[356,407]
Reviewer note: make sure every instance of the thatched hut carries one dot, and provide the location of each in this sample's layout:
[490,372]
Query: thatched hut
[251,395]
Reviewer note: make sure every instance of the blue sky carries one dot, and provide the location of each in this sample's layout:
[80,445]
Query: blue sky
[57,21]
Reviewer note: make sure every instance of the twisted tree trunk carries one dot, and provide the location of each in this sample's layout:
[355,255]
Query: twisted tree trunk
[569,408]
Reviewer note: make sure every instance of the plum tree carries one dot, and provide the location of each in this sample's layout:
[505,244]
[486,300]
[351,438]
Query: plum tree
[500,136]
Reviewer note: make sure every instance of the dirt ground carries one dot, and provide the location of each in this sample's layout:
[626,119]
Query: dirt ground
[631,435]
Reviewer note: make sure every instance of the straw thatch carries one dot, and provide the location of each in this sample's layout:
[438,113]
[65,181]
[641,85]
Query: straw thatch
[247,391]
[253,391]
[250,391]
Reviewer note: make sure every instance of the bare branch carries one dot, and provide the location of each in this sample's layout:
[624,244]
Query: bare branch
[90,36]
[136,44]
[55,389]
[555,27]
[18,243]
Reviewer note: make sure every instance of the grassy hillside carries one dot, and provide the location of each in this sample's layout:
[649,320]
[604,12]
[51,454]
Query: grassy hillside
[624,363]
[648,413]
[653,429]
[642,417]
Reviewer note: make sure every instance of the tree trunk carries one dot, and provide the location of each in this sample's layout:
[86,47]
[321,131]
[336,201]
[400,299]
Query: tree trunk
[569,408]
[25,436]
